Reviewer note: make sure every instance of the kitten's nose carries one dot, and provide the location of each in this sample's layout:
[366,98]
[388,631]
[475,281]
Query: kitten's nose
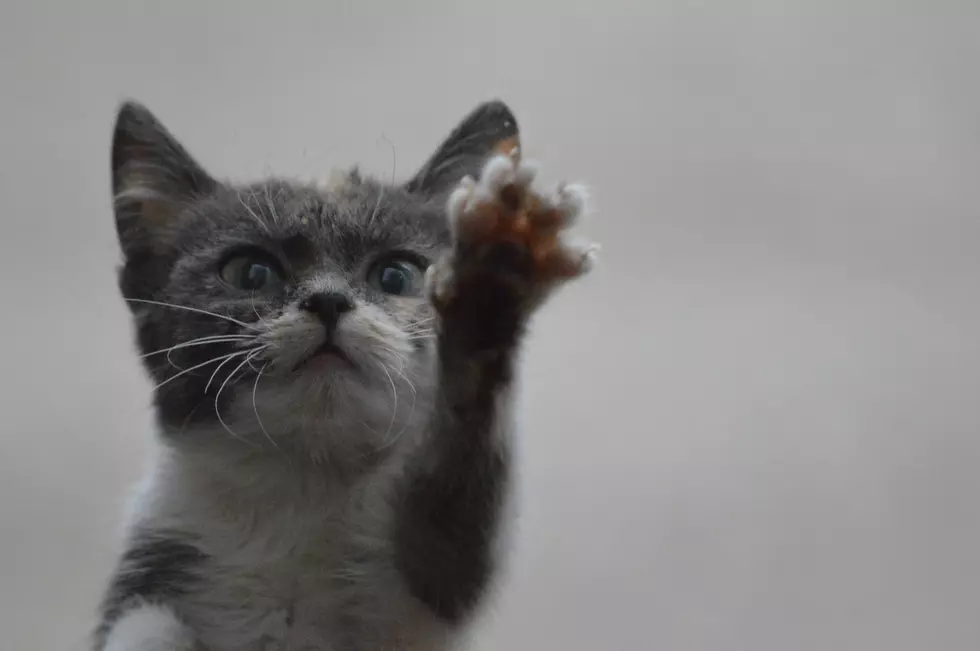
[328,306]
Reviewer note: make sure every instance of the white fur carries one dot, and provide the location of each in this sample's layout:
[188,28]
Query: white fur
[299,544]
[387,395]
[469,224]
[296,533]
[283,537]
[569,199]
[149,628]
[497,172]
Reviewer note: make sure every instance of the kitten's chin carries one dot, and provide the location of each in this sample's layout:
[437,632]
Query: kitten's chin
[326,358]
[349,394]
[326,410]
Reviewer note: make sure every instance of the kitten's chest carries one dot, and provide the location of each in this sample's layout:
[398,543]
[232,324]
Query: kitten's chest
[286,598]
[312,593]
[307,570]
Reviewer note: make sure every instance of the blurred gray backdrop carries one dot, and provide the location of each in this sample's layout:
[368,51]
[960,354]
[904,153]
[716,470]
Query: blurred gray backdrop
[754,428]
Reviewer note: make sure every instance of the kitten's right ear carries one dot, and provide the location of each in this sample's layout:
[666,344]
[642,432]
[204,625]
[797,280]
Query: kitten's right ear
[153,177]
[489,129]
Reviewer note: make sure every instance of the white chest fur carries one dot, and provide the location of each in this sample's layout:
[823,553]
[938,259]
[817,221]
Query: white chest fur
[292,561]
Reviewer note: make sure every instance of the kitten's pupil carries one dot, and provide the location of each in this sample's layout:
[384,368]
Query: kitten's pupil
[396,275]
[250,274]
[254,276]
[396,279]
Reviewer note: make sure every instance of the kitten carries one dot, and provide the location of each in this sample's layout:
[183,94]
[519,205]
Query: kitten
[333,370]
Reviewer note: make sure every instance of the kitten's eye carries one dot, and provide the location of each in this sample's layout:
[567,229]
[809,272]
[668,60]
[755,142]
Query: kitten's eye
[251,274]
[397,276]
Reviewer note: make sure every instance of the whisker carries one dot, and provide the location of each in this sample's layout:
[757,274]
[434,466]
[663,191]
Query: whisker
[394,395]
[217,396]
[422,325]
[394,164]
[215,373]
[252,301]
[250,211]
[377,206]
[201,341]
[195,367]
[192,309]
[255,407]
[394,156]
[411,413]
[270,202]
[407,381]
[242,340]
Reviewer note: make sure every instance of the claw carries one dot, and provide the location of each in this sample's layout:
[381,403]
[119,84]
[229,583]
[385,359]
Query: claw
[501,206]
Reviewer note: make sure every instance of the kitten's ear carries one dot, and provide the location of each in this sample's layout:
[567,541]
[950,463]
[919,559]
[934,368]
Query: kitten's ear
[153,176]
[489,129]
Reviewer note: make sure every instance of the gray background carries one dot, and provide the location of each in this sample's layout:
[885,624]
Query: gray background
[754,428]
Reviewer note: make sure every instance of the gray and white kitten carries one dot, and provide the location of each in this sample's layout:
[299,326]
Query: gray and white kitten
[333,371]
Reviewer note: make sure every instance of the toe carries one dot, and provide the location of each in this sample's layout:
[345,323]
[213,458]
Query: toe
[570,201]
[526,172]
[498,172]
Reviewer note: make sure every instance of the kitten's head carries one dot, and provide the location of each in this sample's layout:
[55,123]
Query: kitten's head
[283,314]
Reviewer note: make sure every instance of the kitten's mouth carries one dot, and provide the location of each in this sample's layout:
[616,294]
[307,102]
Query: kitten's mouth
[326,350]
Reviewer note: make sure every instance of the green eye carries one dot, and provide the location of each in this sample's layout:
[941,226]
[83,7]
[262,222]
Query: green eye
[398,277]
[251,274]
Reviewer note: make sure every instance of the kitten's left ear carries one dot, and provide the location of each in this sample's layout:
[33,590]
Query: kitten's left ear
[489,129]
[153,177]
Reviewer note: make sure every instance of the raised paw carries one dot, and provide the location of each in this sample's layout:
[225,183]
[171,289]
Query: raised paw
[509,245]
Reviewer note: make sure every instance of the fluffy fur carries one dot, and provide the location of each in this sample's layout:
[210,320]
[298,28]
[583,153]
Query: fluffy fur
[335,460]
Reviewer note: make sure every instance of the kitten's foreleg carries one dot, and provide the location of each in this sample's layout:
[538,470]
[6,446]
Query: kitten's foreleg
[508,255]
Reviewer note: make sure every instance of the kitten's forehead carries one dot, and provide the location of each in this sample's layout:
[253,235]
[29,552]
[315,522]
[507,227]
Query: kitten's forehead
[350,220]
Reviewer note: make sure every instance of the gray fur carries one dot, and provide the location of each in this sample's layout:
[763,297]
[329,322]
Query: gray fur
[353,507]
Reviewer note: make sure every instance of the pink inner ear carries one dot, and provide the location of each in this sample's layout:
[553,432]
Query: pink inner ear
[509,146]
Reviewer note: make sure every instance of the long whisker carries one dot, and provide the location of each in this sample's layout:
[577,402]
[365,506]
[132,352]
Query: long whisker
[421,321]
[252,301]
[195,367]
[411,413]
[217,396]
[422,325]
[394,164]
[394,395]
[377,206]
[405,377]
[250,211]
[215,373]
[270,202]
[201,341]
[192,309]
[394,157]
[255,406]
[252,366]
[244,338]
